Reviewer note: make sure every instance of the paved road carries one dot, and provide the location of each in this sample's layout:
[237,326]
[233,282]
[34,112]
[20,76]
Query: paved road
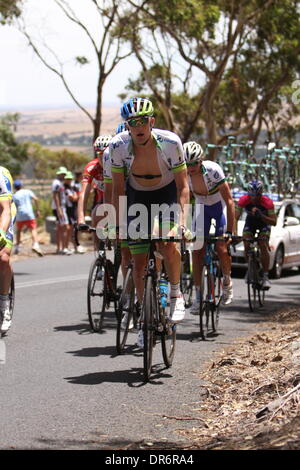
[63,387]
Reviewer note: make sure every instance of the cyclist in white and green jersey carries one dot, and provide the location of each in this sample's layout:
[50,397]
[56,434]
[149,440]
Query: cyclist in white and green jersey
[212,193]
[151,163]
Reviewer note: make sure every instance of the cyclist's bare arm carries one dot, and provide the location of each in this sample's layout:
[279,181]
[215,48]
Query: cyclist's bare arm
[269,219]
[227,196]
[183,193]
[117,191]
[82,202]
[236,219]
[107,193]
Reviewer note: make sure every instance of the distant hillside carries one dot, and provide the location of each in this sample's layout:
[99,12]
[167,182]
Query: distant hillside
[63,127]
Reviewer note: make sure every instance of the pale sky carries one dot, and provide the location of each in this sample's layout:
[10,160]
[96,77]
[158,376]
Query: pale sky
[26,83]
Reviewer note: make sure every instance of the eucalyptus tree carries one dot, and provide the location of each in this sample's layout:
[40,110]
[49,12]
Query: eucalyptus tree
[238,56]
[108,51]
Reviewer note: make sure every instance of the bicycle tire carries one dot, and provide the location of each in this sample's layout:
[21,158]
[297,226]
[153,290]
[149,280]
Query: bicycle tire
[168,337]
[110,283]
[252,286]
[186,280]
[261,292]
[218,297]
[96,298]
[186,286]
[122,331]
[203,302]
[149,305]
[11,295]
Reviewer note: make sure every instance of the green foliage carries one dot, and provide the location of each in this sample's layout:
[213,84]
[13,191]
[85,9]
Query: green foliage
[45,162]
[81,60]
[9,9]
[191,17]
[45,209]
[247,55]
[12,153]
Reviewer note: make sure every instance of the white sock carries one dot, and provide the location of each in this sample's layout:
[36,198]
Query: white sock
[175,290]
[4,301]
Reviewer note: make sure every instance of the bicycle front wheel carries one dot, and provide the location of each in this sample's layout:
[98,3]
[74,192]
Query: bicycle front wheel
[218,292]
[148,315]
[125,312]
[96,295]
[168,337]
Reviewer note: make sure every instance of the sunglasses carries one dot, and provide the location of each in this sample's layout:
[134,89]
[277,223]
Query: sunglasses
[192,164]
[136,122]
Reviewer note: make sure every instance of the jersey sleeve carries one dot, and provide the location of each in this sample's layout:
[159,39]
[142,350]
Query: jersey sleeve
[6,184]
[107,176]
[241,204]
[172,149]
[87,177]
[178,163]
[269,205]
[116,154]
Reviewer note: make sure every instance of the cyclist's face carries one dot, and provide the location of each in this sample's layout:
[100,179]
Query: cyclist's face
[99,155]
[142,132]
[254,198]
[192,168]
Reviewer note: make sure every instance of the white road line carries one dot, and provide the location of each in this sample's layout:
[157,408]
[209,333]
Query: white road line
[55,280]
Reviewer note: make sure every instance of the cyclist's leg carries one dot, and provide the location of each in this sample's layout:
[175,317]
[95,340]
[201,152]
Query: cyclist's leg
[198,259]
[125,257]
[139,251]
[5,282]
[263,241]
[219,215]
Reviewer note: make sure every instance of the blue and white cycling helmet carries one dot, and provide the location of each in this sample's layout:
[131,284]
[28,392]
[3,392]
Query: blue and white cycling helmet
[255,188]
[102,142]
[137,107]
[121,128]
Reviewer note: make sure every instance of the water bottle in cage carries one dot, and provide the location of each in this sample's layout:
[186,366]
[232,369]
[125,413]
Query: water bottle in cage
[163,292]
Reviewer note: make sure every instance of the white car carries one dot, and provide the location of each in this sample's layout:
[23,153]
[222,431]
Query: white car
[284,239]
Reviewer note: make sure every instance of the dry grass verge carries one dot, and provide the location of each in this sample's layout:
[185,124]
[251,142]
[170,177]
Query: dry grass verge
[251,396]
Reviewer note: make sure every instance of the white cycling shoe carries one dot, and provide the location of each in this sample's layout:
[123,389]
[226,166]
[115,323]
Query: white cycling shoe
[227,294]
[6,323]
[177,308]
[195,308]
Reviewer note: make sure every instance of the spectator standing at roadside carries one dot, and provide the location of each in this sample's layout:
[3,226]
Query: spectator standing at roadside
[25,215]
[71,209]
[59,210]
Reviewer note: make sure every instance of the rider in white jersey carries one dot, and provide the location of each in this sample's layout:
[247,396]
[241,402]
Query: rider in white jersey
[151,162]
[7,216]
[209,186]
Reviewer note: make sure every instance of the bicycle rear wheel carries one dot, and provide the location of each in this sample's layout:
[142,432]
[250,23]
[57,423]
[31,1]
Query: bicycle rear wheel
[186,280]
[253,292]
[96,298]
[261,292]
[148,315]
[203,301]
[125,311]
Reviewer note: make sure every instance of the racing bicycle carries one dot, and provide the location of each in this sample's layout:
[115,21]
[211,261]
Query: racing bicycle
[102,288]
